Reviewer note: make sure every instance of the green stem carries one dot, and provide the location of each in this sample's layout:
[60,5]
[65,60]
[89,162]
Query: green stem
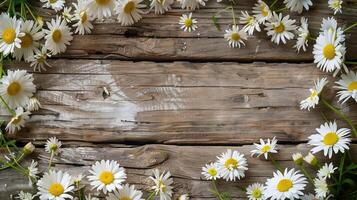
[12,112]
[307,174]
[30,11]
[311,38]
[281,9]
[348,28]
[152,194]
[3,3]
[233,16]
[273,4]
[50,162]
[351,62]
[276,164]
[215,190]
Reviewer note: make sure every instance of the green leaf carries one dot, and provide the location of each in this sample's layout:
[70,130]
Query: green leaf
[215,22]
[349,182]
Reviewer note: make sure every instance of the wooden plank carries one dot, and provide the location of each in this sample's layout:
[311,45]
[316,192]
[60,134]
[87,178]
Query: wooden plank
[174,103]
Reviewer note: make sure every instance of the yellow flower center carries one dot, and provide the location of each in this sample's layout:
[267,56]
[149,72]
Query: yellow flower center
[8,35]
[264,10]
[235,36]
[13,89]
[15,120]
[129,7]
[56,189]
[313,94]
[331,138]
[56,36]
[284,185]
[231,163]
[162,186]
[257,193]
[188,22]
[53,147]
[212,172]
[106,177]
[102,2]
[280,28]
[125,198]
[352,86]
[250,20]
[329,51]
[266,148]
[84,16]
[53,1]
[26,41]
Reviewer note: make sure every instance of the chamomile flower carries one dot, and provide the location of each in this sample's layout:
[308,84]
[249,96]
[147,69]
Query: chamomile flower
[326,171]
[250,23]
[82,18]
[101,8]
[17,87]
[311,159]
[255,191]
[321,187]
[32,34]
[335,5]
[303,34]
[347,86]
[287,185]
[67,15]
[55,185]
[39,61]
[192,4]
[235,36]
[58,36]
[129,11]
[313,99]
[210,171]
[280,28]
[53,145]
[262,11]
[25,196]
[126,193]
[232,165]
[161,6]
[107,176]
[10,33]
[187,23]
[33,104]
[17,121]
[328,51]
[265,148]
[298,5]
[32,171]
[329,139]
[56,5]
[162,185]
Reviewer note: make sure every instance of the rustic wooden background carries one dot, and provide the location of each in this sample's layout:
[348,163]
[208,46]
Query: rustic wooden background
[177,100]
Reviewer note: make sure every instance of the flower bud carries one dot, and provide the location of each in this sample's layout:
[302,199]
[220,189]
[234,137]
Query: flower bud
[311,159]
[183,197]
[28,148]
[298,158]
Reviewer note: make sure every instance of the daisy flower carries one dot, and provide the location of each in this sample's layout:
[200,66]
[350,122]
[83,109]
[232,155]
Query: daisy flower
[250,23]
[303,34]
[10,33]
[107,176]
[17,121]
[101,8]
[25,196]
[53,145]
[328,51]
[265,148]
[33,104]
[32,171]
[29,41]
[126,193]
[326,171]
[39,61]
[255,191]
[162,185]
[262,11]
[235,37]
[280,28]
[288,185]
[82,17]
[183,197]
[55,186]
[311,159]
[232,165]
[192,4]
[330,139]
[210,171]
[161,6]
[58,36]
[321,187]
[348,87]
[313,99]
[335,5]
[66,14]
[297,158]
[17,87]
[56,5]
[28,148]
[129,11]
[298,5]
[187,23]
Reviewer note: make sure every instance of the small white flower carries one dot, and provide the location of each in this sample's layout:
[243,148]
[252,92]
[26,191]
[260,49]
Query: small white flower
[17,121]
[255,191]
[82,17]
[161,6]
[288,185]
[39,61]
[210,171]
[262,11]
[265,148]
[298,5]
[55,186]
[32,171]
[67,15]
[10,33]
[33,104]
[335,5]
[347,86]
[330,139]
[280,28]
[232,165]
[129,11]
[53,145]
[192,4]
[303,34]
[56,5]
[313,99]
[235,36]
[311,159]
[326,171]
[250,23]
[126,193]
[58,36]
[187,23]
[25,196]
[162,185]
[101,8]
[107,176]
[321,187]
[298,158]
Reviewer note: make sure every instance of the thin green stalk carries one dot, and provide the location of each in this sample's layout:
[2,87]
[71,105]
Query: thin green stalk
[9,164]
[152,194]
[307,174]
[215,190]
[50,162]
[273,4]
[351,62]
[3,3]
[8,107]
[281,9]
[1,65]
[276,164]
[30,11]
[311,38]
[348,28]
[225,9]
[233,16]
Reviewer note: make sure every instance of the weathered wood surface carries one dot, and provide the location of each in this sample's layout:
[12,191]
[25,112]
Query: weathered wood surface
[184,162]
